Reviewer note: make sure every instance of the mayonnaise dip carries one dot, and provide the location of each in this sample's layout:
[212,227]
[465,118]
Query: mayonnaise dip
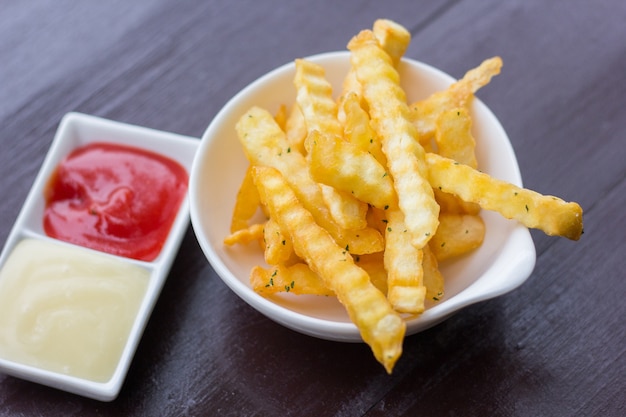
[66,309]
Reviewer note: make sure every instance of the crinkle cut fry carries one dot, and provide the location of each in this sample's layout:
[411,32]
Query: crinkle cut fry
[278,247]
[264,143]
[405,286]
[246,204]
[424,113]
[357,128]
[548,213]
[319,109]
[296,279]
[249,234]
[346,167]
[314,97]
[405,155]
[380,326]
[393,38]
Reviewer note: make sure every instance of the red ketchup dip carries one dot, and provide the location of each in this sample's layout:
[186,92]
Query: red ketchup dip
[115,198]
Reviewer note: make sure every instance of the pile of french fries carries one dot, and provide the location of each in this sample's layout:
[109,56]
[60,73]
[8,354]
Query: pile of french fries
[365,194]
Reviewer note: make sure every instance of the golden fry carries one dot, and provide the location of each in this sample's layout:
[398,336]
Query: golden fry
[377,219]
[346,210]
[454,136]
[433,279]
[246,203]
[357,128]
[346,167]
[403,262]
[393,38]
[295,129]
[457,235]
[380,326]
[424,113]
[405,156]
[247,235]
[319,109]
[281,117]
[296,279]
[265,144]
[315,98]
[548,213]
[278,247]
[452,204]
[373,264]
[351,85]
[455,141]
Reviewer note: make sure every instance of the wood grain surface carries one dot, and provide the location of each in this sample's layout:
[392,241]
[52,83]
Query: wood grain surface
[553,347]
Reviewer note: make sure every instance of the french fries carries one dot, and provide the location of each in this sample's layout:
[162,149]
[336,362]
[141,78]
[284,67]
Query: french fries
[454,136]
[390,116]
[392,37]
[265,144]
[365,195]
[403,263]
[296,279]
[548,213]
[314,97]
[246,205]
[244,236]
[319,110]
[346,167]
[424,113]
[357,127]
[381,327]
[457,234]
[278,246]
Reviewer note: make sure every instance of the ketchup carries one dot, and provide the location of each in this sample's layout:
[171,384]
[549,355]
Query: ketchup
[115,198]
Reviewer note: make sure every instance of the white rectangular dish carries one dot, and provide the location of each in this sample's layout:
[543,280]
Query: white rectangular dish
[76,130]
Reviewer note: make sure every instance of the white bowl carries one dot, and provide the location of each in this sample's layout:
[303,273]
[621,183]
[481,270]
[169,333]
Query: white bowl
[76,130]
[504,261]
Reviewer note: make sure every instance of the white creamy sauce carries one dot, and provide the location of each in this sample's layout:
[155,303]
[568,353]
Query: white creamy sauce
[66,309]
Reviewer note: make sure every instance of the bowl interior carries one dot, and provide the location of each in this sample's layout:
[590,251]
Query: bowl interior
[503,262]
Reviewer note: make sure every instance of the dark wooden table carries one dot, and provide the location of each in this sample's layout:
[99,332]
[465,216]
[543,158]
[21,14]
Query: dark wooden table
[555,346]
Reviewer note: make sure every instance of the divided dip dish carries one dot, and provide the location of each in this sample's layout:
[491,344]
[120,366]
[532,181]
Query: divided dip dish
[504,261]
[76,130]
